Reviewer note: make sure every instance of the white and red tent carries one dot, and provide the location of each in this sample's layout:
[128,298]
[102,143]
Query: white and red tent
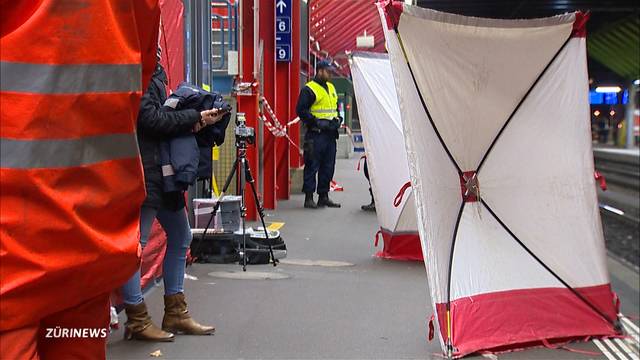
[386,155]
[496,122]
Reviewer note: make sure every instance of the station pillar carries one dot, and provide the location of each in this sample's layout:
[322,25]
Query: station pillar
[267,15]
[295,159]
[248,99]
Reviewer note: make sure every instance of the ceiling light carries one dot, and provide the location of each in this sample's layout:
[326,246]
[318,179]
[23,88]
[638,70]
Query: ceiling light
[608,89]
[365,41]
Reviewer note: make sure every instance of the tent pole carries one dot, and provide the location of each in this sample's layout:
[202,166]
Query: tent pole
[453,247]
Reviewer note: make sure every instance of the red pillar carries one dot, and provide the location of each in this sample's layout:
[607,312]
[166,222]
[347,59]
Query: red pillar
[248,104]
[282,143]
[267,35]
[294,83]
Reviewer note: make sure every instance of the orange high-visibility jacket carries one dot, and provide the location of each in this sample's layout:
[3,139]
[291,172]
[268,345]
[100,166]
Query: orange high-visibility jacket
[72,75]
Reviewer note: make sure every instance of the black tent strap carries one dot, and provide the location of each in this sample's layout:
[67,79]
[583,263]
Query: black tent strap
[574,291]
[424,105]
[515,110]
[453,247]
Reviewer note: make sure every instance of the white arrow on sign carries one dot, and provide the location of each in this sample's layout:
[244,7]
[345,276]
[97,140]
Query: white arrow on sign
[281,5]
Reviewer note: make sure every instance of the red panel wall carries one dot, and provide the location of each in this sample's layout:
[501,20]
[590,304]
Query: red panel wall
[172,40]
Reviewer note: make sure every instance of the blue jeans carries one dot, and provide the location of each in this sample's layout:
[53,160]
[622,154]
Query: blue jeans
[176,225]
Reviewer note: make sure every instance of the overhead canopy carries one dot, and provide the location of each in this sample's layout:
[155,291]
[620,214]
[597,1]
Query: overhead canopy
[335,25]
[617,46]
[496,122]
[386,155]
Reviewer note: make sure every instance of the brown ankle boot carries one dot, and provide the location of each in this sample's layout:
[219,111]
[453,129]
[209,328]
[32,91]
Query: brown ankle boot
[177,319]
[140,327]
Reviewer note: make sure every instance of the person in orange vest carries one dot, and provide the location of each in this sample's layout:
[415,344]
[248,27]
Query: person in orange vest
[72,75]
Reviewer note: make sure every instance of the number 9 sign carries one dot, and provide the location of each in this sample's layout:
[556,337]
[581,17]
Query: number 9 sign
[283,53]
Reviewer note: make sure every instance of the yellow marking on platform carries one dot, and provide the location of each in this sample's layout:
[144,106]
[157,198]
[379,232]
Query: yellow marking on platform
[275,226]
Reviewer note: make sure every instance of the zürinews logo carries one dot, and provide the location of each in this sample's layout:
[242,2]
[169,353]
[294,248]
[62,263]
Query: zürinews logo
[69,333]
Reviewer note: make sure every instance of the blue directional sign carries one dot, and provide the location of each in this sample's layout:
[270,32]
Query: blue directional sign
[283,30]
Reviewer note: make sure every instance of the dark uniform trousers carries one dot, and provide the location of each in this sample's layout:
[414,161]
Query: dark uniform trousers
[319,158]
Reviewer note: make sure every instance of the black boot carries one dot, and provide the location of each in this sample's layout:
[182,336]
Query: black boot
[308,201]
[370,207]
[325,201]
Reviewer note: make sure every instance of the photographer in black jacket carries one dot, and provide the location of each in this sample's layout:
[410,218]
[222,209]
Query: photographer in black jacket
[155,125]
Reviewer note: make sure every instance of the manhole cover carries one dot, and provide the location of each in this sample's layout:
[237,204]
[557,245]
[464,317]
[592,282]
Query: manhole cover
[306,262]
[249,275]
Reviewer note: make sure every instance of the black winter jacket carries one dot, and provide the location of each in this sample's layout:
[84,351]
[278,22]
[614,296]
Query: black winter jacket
[156,124]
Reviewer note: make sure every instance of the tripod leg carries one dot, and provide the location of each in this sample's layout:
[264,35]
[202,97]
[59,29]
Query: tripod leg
[252,183]
[243,210]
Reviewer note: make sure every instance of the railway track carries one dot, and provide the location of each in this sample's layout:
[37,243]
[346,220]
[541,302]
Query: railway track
[622,235]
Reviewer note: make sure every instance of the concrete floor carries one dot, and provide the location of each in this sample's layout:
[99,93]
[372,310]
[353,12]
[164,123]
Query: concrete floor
[375,309]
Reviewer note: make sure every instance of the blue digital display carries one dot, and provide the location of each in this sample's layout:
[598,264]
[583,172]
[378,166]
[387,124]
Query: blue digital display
[610,98]
[596,98]
[625,97]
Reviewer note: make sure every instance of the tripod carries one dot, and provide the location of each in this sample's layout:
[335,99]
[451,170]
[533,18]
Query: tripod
[242,168]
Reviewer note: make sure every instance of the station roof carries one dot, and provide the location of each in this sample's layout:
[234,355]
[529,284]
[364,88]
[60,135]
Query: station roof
[335,24]
[613,25]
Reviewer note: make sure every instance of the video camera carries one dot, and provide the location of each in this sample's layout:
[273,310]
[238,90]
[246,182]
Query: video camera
[244,134]
[220,104]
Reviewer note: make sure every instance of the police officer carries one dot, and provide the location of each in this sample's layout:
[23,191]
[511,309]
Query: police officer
[318,109]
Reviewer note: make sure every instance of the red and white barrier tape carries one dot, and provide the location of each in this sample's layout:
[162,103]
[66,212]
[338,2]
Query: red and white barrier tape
[294,121]
[334,186]
[281,130]
[276,127]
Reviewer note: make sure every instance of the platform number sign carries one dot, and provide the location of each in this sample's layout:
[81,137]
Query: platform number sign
[283,30]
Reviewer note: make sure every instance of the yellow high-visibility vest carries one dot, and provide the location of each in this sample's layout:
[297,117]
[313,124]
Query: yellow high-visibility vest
[326,104]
